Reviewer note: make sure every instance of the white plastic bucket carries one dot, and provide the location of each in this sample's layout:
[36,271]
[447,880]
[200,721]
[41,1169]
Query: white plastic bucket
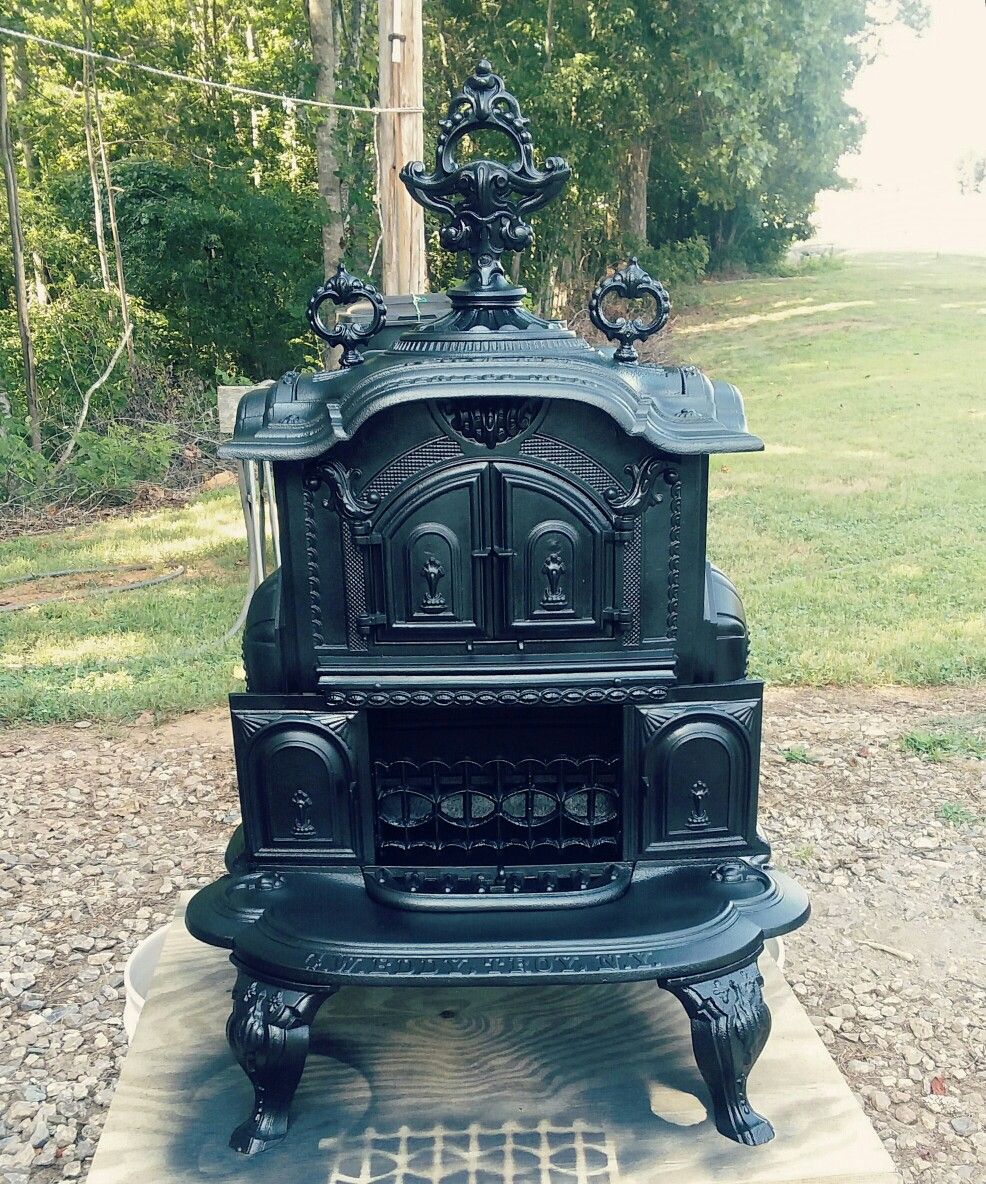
[774,946]
[137,976]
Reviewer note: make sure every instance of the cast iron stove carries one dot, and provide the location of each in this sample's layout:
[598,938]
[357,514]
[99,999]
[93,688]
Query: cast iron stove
[498,727]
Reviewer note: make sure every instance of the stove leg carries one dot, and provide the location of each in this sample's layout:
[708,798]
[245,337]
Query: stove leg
[268,1032]
[730,1026]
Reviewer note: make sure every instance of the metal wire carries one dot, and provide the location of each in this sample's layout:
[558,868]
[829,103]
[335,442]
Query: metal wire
[113,60]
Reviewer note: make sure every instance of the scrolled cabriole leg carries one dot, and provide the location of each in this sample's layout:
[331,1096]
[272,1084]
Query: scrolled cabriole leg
[268,1031]
[730,1025]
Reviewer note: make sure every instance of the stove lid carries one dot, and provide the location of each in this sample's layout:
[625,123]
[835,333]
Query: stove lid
[488,344]
[675,408]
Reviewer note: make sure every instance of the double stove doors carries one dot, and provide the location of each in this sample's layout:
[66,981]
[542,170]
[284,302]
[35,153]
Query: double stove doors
[492,551]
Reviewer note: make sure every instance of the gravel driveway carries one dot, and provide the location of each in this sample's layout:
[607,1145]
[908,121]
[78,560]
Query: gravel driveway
[100,829]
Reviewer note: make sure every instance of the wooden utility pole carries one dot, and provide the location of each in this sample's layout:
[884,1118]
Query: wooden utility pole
[17,250]
[401,139]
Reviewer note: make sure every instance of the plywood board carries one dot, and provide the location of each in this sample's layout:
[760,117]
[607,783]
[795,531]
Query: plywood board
[476,1085]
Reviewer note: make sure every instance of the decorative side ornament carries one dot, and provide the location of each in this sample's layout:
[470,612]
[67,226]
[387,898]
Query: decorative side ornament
[630,282]
[352,506]
[303,827]
[641,494]
[698,819]
[343,288]
[553,598]
[432,571]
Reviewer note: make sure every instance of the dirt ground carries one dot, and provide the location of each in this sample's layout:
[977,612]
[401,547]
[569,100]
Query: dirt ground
[101,828]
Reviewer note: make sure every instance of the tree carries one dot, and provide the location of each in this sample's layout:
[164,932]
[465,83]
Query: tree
[971,170]
[17,251]
[325,51]
[94,132]
[696,130]
[679,117]
[225,290]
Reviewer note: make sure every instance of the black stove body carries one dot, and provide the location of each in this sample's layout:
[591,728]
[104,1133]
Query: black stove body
[498,726]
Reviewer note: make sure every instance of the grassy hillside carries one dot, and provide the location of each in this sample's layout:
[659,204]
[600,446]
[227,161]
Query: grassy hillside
[857,538]
[112,656]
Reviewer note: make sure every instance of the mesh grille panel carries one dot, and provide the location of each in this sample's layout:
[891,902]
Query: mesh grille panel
[431,452]
[631,584]
[580,464]
[355,590]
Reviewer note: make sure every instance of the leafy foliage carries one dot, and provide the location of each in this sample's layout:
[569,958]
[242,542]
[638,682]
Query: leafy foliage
[676,262]
[202,257]
[698,134]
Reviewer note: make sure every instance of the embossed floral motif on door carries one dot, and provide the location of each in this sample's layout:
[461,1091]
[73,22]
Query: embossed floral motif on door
[554,596]
[432,571]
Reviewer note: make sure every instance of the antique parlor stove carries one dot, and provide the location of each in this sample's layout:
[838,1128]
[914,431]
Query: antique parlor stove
[498,726]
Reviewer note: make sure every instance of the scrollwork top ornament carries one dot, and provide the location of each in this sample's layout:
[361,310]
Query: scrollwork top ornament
[630,282]
[486,201]
[344,288]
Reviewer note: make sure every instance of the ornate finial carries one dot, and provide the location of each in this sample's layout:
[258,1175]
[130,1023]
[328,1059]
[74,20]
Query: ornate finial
[344,288]
[630,282]
[485,200]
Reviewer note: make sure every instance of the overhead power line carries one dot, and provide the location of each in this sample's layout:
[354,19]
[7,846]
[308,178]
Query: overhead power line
[174,76]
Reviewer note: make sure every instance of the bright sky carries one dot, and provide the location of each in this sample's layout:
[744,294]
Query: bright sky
[924,102]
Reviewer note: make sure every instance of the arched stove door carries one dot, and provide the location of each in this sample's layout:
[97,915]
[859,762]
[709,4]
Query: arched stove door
[430,578]
[491,551]
[554,556]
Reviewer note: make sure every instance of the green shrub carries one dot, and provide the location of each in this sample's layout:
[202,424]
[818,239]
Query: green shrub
[226,266]
[112,463]
[21,468]
[676,262]
[103,466]
[948,739]
[74,338]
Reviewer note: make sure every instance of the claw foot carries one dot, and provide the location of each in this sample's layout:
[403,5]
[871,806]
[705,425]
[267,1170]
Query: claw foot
[268,1031]
[730,1025]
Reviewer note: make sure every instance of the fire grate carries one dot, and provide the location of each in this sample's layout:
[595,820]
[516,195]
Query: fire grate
[560,809]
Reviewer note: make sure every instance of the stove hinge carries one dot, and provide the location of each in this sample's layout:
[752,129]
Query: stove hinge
[622,618]
[372,544]
[616,540]
[366,621]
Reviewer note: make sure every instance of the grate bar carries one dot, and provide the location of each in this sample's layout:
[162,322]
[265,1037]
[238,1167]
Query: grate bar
[494,807]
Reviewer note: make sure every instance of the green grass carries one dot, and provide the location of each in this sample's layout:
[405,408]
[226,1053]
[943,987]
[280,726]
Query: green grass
[856,539]
[112,657]
[957,815]
[799,755]
[948,739]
